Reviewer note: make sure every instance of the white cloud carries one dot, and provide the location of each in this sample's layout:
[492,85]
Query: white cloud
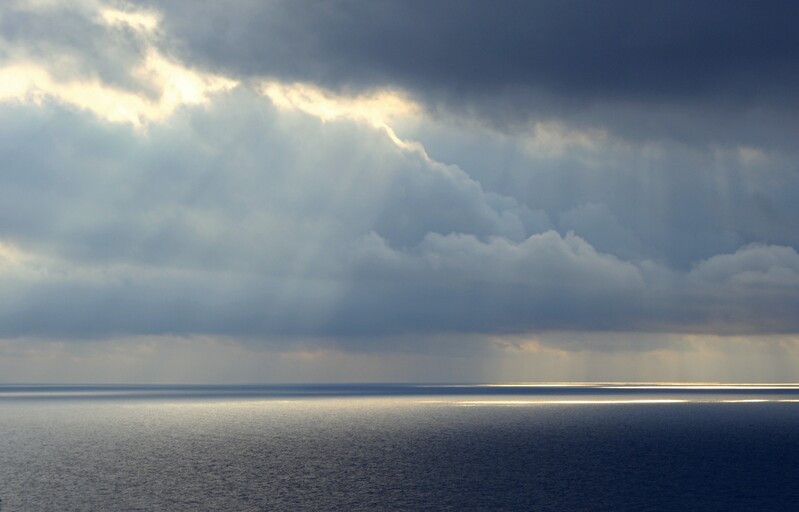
[167,84]
[141,21]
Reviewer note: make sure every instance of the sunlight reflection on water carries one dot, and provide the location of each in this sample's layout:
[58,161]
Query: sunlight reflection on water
[397,448]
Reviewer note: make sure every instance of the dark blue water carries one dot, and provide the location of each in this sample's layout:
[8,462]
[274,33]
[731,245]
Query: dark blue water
[398,448]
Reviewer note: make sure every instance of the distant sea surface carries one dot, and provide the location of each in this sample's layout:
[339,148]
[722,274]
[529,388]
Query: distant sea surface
[399,447]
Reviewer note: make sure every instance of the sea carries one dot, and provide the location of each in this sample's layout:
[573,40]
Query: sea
[526,447]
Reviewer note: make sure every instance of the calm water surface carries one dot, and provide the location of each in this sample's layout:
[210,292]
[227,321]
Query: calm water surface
[398,448]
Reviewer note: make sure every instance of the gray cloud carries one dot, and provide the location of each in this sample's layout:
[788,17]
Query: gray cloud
[752,266]
[670,202]
[261,235]
[721,72]
[250,235]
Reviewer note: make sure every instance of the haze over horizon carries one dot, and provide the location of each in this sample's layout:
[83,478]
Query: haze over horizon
[394,191]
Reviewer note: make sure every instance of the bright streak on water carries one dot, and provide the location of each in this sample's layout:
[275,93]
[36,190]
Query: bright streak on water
[747,401]
[565,402]
[709,387]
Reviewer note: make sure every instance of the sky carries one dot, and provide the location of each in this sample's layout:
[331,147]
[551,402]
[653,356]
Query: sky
[394,191]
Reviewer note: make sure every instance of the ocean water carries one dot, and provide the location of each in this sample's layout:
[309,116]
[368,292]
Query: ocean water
[399,447]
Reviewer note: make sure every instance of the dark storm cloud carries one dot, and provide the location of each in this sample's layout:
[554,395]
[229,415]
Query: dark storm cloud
[707,70]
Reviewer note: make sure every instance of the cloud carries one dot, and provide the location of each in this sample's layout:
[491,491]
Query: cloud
[599,225]
[670,202]
[114,68]
[256,221]
[157,188]
[664,70]
[379,242]
[752,266]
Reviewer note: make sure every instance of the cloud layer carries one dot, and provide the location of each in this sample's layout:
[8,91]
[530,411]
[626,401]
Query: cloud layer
[348,175]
